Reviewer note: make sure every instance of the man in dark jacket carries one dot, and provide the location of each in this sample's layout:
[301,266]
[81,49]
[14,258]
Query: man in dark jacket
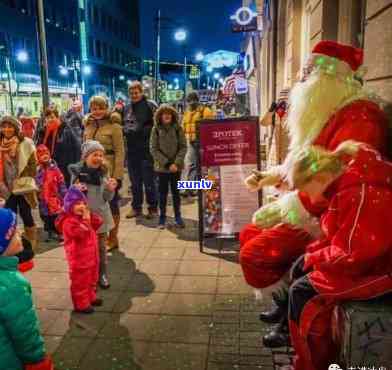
[138,118]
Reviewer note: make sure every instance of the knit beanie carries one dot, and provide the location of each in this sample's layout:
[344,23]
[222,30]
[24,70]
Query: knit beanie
[41,151]
[73,196]
[7,228]
[12,121]
[91,146]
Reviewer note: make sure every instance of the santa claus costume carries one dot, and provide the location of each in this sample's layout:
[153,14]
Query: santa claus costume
[353,259]
[331,106]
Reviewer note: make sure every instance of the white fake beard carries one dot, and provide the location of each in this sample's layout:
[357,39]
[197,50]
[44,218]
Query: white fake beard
[313,102]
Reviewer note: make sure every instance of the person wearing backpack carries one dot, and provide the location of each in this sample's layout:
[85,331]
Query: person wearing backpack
[168,148]
[195,113]
[138,120]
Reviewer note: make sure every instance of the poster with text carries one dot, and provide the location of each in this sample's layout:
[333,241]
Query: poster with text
[228,154]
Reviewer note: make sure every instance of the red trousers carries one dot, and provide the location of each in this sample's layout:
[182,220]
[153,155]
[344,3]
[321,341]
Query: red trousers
[83,286]
[267,254]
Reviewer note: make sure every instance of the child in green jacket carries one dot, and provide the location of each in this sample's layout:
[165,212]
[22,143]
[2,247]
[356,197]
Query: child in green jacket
[22,347]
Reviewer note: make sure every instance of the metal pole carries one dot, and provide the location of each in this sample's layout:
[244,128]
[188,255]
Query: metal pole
[75,78]
[43,57]
[256,58]
[114,89]
[158,52]
[8,67]
[185,77]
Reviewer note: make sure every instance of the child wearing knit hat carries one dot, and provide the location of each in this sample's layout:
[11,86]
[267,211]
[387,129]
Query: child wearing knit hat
[52,187]
[90,175]
[22,343]
[79,227]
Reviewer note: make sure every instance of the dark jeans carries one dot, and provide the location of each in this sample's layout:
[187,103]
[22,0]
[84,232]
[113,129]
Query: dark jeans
[115,203]
[164,180]
[19,205]
[49,223]
[141,173]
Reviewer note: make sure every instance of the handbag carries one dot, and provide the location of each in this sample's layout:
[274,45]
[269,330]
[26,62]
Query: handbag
[24,185]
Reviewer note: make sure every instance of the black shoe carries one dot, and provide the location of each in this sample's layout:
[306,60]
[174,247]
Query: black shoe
[273,316]
[152,213]
[97,303]
[104,282]
[279,311]
[86,311]
[278,337]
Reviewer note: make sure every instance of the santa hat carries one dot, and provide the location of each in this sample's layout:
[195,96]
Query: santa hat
[41,151]
[73,196]
[12,121]
[345,53]
[7,228]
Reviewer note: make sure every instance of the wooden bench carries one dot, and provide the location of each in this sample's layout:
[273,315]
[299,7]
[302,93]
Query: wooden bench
[367,334]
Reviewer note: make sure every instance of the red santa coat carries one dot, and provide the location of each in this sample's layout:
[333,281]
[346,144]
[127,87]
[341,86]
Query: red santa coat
[361,120]
[353,261]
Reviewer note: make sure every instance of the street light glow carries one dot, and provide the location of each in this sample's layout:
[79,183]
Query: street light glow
[22,56]
[221,81]
[176,80]
[180,35]
[170,87]
[199,56]
[63,71]
[87,70]
[217,76]
[122,77]
[209,69]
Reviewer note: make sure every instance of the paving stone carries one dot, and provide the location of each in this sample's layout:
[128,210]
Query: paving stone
[129,302]
[194,284]
[227,268]
[182,329]
[52,299]
[227,302]
[205,268]
[154,267]
[142,282]
[69,352]
[47,318]
[188,304]
[174,253]
[227,285]
[50,265]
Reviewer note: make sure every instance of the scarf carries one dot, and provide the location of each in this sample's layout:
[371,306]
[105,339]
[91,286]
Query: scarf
[91,176]
[8,154]
[51,134]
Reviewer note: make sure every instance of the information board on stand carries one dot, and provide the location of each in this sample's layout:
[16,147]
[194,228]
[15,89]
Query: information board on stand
[228,152]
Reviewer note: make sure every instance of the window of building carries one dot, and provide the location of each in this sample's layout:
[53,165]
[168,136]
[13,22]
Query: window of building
[305,39]
[98,50]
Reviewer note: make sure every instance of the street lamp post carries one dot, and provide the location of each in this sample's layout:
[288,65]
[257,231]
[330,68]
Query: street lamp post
[43,57]
[181,36]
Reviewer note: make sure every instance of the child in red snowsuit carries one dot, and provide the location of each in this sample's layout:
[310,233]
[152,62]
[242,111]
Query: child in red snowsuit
[79,228]
[352,260]
[52,187]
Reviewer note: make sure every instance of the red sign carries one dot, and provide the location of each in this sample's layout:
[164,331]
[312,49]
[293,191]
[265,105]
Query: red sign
[224,144]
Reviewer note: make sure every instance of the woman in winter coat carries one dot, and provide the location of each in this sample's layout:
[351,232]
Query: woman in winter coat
[352,260]
[18,168]
[79,227]
[105,127]
[22,346]
[168,148]
[91,176]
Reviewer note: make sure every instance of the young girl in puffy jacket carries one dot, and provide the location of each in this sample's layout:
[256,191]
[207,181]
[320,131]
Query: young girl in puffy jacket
[79,228]
[52,187]
[22,346]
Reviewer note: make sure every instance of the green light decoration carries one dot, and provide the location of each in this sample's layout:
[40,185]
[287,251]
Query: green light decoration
[331,68]
[314,167]
[293,217]
[320,61]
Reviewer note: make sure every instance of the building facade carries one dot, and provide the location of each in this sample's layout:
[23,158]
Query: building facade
[91,47]
[291,29]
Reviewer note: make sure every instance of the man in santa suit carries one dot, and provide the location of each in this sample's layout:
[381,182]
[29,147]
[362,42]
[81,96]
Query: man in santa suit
[352,261]
[328,108]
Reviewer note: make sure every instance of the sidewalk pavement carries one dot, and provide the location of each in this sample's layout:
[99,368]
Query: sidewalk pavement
[169,308]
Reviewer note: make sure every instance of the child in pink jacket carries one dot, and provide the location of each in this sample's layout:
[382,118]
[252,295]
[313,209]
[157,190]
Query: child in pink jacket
[79,228]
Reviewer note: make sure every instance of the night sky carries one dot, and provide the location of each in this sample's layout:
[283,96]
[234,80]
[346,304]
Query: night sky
[206,21]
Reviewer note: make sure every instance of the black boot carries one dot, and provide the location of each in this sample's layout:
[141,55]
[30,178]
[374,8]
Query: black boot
[279,310]
[279,336]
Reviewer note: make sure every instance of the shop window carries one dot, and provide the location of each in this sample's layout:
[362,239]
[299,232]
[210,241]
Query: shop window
[305,39]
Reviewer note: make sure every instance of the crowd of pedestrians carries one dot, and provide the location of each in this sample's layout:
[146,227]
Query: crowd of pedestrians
[71,167]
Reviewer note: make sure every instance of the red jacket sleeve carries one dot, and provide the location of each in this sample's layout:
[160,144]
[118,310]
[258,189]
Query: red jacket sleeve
[76,230]
[363,234]
[96,221]
[362,121]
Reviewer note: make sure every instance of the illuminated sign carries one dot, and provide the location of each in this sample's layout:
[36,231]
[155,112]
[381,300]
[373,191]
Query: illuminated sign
[220,59]
[244,20]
